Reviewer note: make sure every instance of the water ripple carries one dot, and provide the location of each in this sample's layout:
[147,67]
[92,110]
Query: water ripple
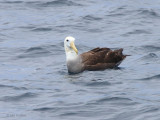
[148,12]
[45,109]
[137,32]
[23,96]
[155,77]
[16,88]
[34,52]
[114,99]
[149,57]
[91,18]
[151,48]
[42,29]
[98,83]
[34,77]
[41,51]
[59,3]
[12,2]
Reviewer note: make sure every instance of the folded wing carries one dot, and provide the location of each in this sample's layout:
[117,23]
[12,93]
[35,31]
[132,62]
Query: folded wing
[102,58]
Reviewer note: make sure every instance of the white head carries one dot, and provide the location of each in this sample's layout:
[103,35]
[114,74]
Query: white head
[70,48]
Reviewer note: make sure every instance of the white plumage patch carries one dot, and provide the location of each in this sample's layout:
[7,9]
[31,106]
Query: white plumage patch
[70,53]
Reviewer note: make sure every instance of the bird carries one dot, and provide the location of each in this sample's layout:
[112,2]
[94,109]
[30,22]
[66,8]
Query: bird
[93,60]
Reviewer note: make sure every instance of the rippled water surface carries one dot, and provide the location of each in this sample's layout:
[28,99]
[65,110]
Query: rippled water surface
[34,83]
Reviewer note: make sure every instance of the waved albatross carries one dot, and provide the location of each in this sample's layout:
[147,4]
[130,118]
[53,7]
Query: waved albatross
[96,59]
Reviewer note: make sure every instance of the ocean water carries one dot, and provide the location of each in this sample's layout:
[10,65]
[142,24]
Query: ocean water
[34,82]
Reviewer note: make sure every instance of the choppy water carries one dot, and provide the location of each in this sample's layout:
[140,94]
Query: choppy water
[34,83]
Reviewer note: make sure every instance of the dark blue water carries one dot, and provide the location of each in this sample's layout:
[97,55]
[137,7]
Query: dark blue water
[34,83]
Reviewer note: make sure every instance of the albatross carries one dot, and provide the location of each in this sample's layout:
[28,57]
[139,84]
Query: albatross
[95,59]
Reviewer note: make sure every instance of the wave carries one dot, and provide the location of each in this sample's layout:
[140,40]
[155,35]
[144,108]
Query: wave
[148,12]
[45,109]
[150,109]
[102,83]
[42,51]
[62,2]
[43,29]
[151,48]
[13,87]
[157,77]
[91,18]
[34,52]
[12,2]
[19,97]
[137,32]
[149,56]
[56,3]
[114,99]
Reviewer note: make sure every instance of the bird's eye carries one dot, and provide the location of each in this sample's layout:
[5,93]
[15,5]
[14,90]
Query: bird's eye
[67,40]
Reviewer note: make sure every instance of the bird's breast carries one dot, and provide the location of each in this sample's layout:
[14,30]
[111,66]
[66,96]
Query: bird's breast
[75,66]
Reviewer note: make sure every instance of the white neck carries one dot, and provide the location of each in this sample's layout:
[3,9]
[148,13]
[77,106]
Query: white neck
[71,55]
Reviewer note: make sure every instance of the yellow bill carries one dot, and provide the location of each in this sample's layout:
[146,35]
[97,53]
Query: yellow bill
[74,47]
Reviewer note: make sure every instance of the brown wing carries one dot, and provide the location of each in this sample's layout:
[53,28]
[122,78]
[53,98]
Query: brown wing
[102,58]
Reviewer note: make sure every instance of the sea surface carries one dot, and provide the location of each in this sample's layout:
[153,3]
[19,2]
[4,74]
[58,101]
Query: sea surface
[34,82]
